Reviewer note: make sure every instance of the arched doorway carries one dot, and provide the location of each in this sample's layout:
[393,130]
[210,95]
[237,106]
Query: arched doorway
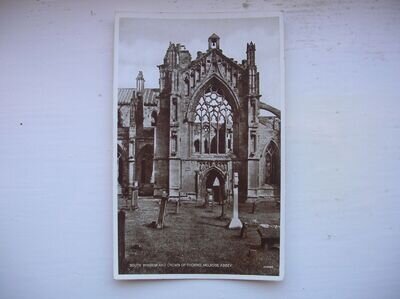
[215,181]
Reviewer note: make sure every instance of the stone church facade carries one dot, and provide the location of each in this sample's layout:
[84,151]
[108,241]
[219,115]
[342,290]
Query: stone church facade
[200,126]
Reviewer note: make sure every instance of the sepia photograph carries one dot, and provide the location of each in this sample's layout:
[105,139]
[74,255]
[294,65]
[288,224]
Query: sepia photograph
[226,149]
[198,147]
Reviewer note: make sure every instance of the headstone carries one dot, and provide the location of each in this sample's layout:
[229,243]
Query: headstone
[135,195]
[121,241]
[176,200]
[269,234]
[235,222]
[243,231]
[161,214]
[222,201]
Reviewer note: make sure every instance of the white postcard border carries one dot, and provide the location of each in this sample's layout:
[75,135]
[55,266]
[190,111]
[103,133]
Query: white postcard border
[201,15]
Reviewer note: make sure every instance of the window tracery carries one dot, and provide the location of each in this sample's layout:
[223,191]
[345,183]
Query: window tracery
[272,165]
[214,120]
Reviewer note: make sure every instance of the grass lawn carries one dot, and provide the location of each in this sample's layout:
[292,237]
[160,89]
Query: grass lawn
[196,240]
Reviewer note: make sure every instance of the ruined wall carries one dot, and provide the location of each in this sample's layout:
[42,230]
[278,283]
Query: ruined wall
[182,83]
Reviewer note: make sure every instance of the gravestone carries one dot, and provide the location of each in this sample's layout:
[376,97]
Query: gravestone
[161,214]
[235,222]
[121,241]
[219,196]
[135,194]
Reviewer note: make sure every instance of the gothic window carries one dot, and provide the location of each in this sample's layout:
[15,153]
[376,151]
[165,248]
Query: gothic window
[213,117]
[197,146]
[187,85]
[192,79]
[272,167]
[174,143]
[253,143]
[206,146]
[254,110]
[174,109]
[214,145]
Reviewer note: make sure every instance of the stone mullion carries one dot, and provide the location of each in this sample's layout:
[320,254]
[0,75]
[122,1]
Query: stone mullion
[217,135]
[201,136]
[209,134]
[226,135]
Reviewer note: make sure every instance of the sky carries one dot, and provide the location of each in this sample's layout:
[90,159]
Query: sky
[143,43]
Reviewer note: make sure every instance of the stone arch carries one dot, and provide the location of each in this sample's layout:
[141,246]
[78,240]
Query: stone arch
[271,142]
[210,174]
[269,108]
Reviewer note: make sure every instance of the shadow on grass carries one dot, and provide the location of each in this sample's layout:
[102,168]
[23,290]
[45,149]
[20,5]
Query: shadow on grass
[212,224]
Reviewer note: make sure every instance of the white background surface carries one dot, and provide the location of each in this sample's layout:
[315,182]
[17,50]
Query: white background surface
[343,151]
